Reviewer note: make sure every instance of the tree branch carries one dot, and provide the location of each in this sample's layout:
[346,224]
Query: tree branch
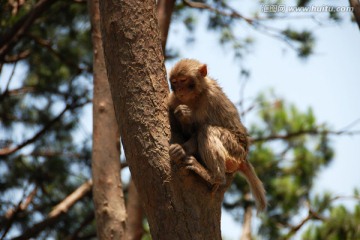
[232,13]
[356,5]
[345,197]
[11,214]
[255,22]
[12,36]
[47,44]
[19,56]
[300,133]
[8,151]
[9,81]
[311,215]
[89,218]
[246,230]
[164,9]
[59,210]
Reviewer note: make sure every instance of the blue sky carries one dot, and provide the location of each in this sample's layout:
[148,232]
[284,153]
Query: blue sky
[328,82]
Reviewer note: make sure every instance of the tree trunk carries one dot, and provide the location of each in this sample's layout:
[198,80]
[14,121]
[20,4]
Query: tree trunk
[246,230]
[165,9]
[178,204]
[135,213]
[107,191]
[134,209]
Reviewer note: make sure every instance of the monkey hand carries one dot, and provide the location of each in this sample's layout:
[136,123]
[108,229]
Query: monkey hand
[177,152]
[183,114]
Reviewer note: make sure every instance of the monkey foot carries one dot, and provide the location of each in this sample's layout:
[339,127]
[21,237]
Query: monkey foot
[193,165]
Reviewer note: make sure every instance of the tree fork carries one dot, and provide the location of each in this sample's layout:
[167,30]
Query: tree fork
[178,204]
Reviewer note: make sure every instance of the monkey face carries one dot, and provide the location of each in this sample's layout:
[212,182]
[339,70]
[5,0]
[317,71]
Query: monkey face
[184,88]
[187,80]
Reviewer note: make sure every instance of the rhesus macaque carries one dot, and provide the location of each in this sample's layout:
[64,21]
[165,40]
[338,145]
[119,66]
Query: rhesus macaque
[212,133]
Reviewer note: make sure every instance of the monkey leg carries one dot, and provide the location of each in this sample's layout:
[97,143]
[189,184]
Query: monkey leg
[236,153]
[213,153]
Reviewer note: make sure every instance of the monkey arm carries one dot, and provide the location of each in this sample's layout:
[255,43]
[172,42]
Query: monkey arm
[191,146]
[177,135]
[183,115]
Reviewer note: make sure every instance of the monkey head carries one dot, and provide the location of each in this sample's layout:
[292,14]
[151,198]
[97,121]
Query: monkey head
[187,80]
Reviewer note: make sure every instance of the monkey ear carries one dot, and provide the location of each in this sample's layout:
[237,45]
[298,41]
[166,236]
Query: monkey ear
[203,70]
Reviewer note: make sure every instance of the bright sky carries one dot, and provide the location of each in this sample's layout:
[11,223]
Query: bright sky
[329,82]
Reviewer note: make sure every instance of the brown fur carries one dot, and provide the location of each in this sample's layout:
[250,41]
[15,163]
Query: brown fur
[210,126]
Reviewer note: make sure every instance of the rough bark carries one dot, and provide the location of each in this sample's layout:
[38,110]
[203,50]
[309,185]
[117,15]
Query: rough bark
[356,5]
[164,9]
[134,209]
[178,204]
[108,197]
[135,213]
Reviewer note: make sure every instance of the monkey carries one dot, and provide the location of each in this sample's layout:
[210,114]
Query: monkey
[209,130]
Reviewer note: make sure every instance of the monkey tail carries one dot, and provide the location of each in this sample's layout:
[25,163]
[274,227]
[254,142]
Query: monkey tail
[256,186]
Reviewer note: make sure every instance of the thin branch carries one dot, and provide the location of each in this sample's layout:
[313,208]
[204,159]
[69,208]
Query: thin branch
[47,44]
[59,210]
[8,151]
[90,217]
[19,56]
[51,153]
[10,78]
[22,205]
[69,201]
[242,95]
[300,133]
[350,125]
[254,22]
[233,13]
[345,197]
[12,36]
[18,91]
[312,215]
[11,214]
